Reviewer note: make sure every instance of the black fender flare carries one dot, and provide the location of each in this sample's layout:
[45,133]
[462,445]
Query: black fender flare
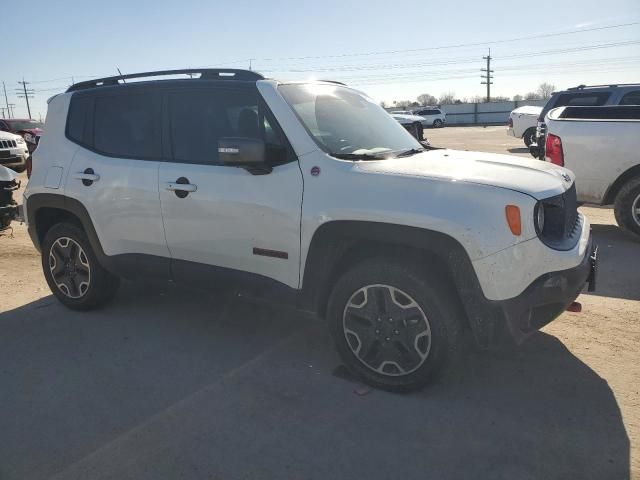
[335,239]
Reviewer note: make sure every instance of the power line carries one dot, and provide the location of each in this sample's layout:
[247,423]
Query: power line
[385,52]
[346,68]
[414,79]
[459,45]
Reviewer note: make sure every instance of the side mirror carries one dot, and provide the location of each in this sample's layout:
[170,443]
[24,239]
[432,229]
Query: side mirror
[244,152]
[241,151]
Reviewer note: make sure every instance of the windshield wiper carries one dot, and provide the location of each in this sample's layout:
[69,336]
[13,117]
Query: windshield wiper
[408,153]
[356,156]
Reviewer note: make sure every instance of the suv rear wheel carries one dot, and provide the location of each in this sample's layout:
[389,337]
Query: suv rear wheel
[394,327]
[627,207]
[437,123]
[72,270]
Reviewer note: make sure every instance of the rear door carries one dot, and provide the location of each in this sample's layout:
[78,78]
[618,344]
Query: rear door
[230,219]
[114,172]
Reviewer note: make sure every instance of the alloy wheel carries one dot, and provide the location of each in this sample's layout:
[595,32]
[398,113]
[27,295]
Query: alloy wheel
[69,267]
[386,330]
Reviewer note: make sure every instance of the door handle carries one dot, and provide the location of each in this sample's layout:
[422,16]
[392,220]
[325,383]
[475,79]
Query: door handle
[181,187]
[87,177]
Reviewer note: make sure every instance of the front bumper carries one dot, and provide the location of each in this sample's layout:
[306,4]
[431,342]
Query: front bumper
[547,297]
[15,159]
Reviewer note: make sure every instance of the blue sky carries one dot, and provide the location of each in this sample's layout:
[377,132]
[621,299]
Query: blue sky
[59,40]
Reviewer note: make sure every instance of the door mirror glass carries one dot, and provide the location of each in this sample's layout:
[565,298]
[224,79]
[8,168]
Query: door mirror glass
[241,152]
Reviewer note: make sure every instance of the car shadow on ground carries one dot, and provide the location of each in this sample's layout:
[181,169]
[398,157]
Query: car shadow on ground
[618,263]
[167,383]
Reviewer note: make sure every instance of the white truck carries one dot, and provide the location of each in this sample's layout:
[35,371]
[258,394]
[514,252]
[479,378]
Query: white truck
[522,123]
[601,145]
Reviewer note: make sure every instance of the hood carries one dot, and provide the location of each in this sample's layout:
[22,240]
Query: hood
[533,177]
[7,175]
[8,135]
[402,118]
[528,110]
[33,131]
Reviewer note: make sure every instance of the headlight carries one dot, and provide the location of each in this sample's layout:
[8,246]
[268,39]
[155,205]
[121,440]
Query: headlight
[29,138]
[539,217]
[20,140]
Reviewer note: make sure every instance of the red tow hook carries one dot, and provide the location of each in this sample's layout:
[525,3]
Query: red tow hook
[575,307]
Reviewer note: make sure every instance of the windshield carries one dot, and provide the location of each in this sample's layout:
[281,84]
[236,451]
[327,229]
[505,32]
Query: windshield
[23,124]
[347,124]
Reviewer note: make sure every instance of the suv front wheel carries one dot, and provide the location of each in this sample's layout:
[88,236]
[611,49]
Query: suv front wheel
[395,327]
[72,270]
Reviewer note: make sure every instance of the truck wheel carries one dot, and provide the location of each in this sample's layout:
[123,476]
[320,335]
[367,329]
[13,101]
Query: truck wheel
[394,327]
[72,270]
[437,123]
[627,207]
[529,136]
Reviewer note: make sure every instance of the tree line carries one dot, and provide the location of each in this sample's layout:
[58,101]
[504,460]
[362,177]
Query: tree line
[543,92]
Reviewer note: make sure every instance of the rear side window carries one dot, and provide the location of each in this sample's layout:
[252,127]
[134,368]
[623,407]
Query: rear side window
[631,98]
[128,126]
[591,99]
[78,119]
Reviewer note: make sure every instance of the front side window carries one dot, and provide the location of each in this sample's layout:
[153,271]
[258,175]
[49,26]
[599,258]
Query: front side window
[198,119]
[128,125]
[346,123]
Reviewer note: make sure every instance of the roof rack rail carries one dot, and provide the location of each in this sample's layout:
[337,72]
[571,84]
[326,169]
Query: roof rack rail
[205,74]
[581,87]
[333,81]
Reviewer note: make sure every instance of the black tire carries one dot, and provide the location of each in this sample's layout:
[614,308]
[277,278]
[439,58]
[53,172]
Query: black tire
[627,207]
[529,136]
[81,267]
[436,302]
[20,169]
[437,123]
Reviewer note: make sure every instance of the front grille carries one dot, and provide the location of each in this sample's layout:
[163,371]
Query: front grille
[8,144]
[562,225]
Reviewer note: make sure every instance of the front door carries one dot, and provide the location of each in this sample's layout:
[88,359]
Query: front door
[226,216]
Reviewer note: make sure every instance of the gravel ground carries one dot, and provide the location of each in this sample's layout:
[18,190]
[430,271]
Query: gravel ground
[169,383]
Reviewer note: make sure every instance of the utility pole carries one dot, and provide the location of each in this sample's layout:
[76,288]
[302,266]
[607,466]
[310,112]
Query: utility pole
[488,77]
[26,94]
[6,100]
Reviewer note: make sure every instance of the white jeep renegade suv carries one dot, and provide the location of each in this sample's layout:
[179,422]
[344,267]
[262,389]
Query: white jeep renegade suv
[309,193]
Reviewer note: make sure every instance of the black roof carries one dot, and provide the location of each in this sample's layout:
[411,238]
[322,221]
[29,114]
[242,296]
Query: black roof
[582,87]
